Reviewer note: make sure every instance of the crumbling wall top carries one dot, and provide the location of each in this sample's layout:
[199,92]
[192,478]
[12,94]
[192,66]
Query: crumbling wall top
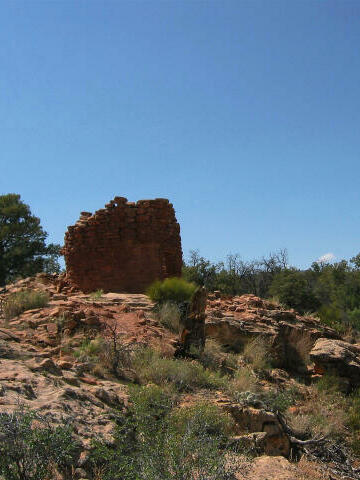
[124,246]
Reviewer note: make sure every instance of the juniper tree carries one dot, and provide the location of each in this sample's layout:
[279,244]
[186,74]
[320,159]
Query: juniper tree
[23,250]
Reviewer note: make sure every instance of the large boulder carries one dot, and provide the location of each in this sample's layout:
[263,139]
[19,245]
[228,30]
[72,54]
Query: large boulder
[338,357]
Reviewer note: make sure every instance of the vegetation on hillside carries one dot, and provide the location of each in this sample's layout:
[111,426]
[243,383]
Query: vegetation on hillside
[19,302]
[32,449]
[155,440]
[155,437]
[330,290]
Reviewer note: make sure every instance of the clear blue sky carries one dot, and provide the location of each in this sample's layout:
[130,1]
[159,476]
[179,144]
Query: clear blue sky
[245,114]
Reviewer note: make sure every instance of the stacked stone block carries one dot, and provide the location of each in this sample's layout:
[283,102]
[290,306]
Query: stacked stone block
[123,247]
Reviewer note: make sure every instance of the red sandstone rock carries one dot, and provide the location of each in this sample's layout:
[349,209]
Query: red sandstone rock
[89,380]
[291,336]
[52,328]
[64,365]
[338,357]
[124,247]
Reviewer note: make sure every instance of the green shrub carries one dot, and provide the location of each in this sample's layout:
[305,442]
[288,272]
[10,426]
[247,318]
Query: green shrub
[293,288]
[280,401]
[171,289]
[89,349]
[329,384]
[331,315]
[30,448]
[184,375]
[153,442]
[97,294]
[215,358]
[136,432]
[150,405]
[354,319]
[19,302]
[203,419]
[169,316]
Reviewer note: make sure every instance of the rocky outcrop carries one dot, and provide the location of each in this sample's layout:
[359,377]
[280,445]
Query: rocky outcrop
[337,357]
[235,321]
[70,318]
[123,247]
[270,437]
[27,378]
[40,366]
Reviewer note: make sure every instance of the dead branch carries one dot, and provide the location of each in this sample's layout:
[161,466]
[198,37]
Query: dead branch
[293,439]
[311,441]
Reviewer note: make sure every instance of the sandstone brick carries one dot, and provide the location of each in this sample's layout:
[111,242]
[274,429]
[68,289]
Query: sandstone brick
[124,247]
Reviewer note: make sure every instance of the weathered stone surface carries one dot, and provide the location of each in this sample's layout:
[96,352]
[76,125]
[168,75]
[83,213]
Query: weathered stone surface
[46,365]
[235,321]
[337,356]
[249,419]
[253,442]
[271,468]
[124,247]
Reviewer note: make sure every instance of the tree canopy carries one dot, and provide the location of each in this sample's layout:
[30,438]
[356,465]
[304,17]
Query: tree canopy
[23,250]
[330,290]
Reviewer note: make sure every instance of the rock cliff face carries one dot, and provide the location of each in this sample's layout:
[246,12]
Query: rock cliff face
[123,247]
[234,321]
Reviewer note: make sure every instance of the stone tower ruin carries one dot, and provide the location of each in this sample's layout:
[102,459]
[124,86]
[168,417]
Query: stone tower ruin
[123,247]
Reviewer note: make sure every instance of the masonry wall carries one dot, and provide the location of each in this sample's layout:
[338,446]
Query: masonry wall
[123,247]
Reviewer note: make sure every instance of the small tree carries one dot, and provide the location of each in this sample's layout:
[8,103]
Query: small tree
[293,288]
[23,251]
[200,271]
[117,354]
[31,448]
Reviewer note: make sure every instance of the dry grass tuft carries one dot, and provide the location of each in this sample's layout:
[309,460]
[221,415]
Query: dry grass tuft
[257,353]
[322,414]
[19,302]
[299,346]
[244,381]
[214,358]
[311,470]
[169,316]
